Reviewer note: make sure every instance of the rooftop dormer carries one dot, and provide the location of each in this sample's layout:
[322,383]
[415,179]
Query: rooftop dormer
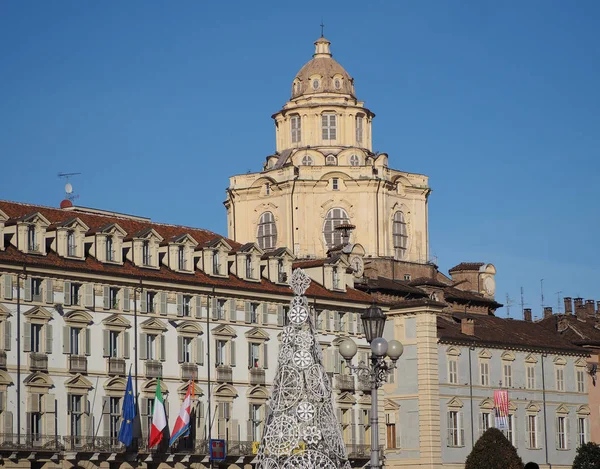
[247,262]
[180,253]
[30,233]
[3,219]
[214,257]
[278,265]
[144,249]
[108,243]
[334,273]
[70,238]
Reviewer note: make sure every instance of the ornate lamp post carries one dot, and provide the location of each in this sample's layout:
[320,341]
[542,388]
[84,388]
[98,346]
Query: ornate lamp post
[376,372]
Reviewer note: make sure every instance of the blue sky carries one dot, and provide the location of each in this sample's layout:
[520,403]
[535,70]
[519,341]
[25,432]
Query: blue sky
[157,103]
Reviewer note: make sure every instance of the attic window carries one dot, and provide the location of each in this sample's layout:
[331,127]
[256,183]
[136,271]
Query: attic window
[31,239]
[337,83]
[110,252]
[181,258]
[216,267]
[71,248]
[315,84]
[146,253]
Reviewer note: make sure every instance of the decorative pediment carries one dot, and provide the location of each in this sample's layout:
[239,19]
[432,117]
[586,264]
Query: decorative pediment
[531,359]
[74,224]
[485,353]
[487,403]
[218,243]
[112,228]
[257,392]
[149,387]
[226,391]
[146,234]
[115,385]
[224,330]
[197,390]
[583,410]
[185,239]
[453,351]
[365,400]
[189,327]
[280,253]
[5,379]
[3,216]
[508,356]
[512,406]
[4,313]
[38,379]
[38,313]
[78,382]
[257,333]
[560,361]
[250,248]
[154,325]
[116,321]
[562,409]
[35,218]
[78,317]
[390,405]
[580,362]
[346,398]
[455,402]
[532,407]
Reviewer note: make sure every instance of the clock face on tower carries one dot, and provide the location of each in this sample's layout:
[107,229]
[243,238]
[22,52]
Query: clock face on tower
[357,264]
[489,285]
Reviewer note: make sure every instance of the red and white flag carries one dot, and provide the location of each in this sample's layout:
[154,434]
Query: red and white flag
[182,424]
[501,408]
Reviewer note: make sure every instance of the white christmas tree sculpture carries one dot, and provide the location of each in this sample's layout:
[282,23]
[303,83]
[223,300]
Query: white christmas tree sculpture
[301,430]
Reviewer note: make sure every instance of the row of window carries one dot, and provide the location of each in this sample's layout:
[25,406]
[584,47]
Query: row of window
[328,127]
[530,374]
[267,230]
[456,436]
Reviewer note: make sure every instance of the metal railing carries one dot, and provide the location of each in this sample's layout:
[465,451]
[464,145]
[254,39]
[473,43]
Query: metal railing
[224,374]
[90,443]
[153,369]
[257,376]
[116,366]
[77,363]
[38,361]
[189,371]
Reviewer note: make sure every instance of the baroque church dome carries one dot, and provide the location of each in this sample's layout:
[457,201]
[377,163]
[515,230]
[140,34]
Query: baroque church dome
[322,74]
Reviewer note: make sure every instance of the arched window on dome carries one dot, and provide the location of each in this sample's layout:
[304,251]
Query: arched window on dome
[400,235]
[267,232]
[354,160]
[331,160]
[307,160]
[295,125]
[334,218]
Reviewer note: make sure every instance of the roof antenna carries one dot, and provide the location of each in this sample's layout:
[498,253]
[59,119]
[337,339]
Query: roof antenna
[69,195]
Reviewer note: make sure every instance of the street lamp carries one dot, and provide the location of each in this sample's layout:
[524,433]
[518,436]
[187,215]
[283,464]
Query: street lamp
[374,373]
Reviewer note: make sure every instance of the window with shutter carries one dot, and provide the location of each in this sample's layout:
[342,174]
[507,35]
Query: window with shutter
[8,286]
[328,126]
[49,291]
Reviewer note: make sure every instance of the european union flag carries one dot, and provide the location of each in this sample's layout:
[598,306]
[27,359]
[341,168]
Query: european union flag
[126,431]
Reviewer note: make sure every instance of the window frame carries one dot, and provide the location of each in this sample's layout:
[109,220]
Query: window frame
[266,232]
[329,126]
[399,235]
[295,128]
[331,236]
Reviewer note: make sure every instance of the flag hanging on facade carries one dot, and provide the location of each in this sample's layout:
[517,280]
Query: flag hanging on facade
[182,424]
[126,430]
[159,418]
[501,408]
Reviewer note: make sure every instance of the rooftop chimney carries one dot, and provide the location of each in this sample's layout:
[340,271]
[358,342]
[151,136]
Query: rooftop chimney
[547,311]
[579,308]
[467,326]
[527,314]
[598,308]
[568,305]
[589,308]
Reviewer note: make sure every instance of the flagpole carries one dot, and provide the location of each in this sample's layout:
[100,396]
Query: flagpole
[93,403]
[208,371]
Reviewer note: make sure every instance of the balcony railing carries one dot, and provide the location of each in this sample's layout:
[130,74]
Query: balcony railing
[77,363]
[189,371]
[345,383]
[116,366]
[257,376]
[38,361]
[364,386]
[224,374]
[3,359]
[153,369]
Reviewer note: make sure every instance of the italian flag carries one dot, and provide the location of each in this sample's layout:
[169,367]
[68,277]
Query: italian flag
[159,419]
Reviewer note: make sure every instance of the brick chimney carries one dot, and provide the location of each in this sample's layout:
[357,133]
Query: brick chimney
[589,308]
[579,308]
[527,314]
[568,305]
[598,308]
[547,311]
[467,326]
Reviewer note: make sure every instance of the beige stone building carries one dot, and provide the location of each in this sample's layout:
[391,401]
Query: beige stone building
[324,173]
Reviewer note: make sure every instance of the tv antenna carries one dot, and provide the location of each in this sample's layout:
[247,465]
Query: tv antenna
[558,301]
[522,303]
[68,186]
[509,303]
[542,291]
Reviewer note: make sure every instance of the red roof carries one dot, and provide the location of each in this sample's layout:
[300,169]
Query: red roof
[466,266]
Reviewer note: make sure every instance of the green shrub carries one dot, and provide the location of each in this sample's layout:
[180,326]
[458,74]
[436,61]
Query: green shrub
[588,457]
[493,451]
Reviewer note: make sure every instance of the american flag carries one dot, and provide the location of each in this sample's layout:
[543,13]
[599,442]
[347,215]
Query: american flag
[501,408]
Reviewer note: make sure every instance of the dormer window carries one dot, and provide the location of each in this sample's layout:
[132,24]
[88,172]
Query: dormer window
[336,279]
[146,256]
[181,258]
[249,269]
[110,252]
[216,263]
[32,244]
[281,273]
[330,160]
[71,247]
